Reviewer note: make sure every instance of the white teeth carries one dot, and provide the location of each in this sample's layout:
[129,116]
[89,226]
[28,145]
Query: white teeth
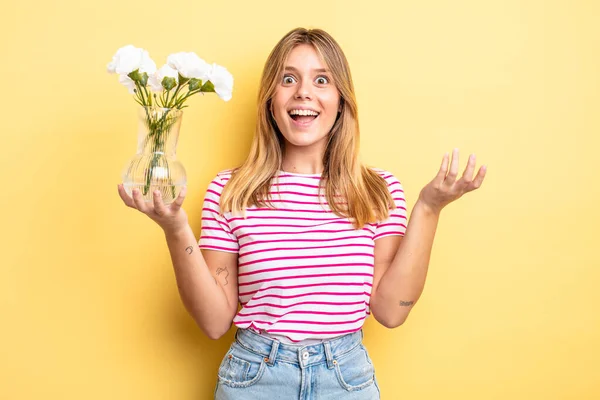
[304,112]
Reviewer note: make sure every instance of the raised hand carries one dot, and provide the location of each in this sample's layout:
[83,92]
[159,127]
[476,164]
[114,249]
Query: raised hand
[172,218]
[444,188]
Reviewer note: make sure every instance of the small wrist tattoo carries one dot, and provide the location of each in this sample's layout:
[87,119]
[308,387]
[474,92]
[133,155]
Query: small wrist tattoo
[189,249]
[406,303]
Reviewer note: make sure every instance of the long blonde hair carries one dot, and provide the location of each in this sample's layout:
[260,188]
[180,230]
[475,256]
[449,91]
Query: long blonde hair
[365,195]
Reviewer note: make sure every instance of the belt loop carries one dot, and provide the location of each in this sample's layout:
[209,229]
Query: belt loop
[328,354]
[273,354]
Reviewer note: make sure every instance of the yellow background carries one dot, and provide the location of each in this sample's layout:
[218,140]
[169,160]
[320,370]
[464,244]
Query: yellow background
[88,302]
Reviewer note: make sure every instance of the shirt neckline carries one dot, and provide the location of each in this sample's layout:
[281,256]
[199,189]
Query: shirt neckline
[281,172]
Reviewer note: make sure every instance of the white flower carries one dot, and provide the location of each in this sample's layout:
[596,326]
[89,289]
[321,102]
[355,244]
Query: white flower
[128,59]
[156,79]
[222,80]
[127,82]
[189,65]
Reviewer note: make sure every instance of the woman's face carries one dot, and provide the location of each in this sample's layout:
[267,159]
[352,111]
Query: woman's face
[306,101]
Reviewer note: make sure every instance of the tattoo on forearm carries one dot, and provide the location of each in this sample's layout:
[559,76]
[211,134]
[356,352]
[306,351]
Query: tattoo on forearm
[406,303]
[226,274]
[189,249]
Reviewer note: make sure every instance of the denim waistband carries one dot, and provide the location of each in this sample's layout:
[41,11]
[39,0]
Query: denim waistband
[304,356]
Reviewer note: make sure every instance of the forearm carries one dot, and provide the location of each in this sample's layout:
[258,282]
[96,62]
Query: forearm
[402,283]
[202,296]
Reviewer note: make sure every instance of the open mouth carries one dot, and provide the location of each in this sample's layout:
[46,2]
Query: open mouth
[303,117]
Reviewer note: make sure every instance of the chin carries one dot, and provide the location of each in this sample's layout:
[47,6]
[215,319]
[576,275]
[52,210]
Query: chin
[304,139]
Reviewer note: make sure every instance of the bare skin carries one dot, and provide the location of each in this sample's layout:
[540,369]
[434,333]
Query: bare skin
[203,277]
[401,263]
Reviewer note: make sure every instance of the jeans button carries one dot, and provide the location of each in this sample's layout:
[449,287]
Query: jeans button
[305,355]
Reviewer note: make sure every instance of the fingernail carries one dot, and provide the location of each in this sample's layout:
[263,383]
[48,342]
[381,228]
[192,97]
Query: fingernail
[156,192]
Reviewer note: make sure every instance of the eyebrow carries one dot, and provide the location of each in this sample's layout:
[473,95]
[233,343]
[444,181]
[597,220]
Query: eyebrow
[290,68]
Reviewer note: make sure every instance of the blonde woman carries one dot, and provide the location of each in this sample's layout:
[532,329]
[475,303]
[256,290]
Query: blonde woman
[304,237]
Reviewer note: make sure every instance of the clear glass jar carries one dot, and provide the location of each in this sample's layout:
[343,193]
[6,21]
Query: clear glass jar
[155,166]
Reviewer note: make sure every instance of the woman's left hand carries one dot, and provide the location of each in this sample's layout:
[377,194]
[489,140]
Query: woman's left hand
[444,188]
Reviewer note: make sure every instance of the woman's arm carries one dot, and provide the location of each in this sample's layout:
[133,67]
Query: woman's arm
[207,282]
[401,264]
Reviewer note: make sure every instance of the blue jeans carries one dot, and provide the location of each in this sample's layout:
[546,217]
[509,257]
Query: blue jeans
[258,367]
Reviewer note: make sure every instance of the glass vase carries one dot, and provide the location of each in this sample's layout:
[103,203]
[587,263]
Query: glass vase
[155,166]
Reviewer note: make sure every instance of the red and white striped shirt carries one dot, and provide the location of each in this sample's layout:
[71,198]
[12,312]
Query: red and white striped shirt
[303,272]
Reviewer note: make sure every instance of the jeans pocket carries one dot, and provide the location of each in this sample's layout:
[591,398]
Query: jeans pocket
[355,370]
[241,368]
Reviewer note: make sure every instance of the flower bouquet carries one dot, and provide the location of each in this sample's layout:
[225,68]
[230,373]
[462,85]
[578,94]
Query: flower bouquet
[161,95]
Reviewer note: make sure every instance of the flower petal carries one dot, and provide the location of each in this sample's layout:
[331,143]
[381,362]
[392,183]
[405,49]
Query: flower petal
[222,81]
[129,58]
[127,82]
[189,65]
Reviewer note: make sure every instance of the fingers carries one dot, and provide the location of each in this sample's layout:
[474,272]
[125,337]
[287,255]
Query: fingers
[125,197]
[447,186]
[478,179]
[468,174]
[178,202]
[443,169]
[159,206]
[451,178]
[139,202]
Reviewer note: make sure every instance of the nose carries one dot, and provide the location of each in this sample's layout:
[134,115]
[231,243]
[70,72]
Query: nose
[304,90]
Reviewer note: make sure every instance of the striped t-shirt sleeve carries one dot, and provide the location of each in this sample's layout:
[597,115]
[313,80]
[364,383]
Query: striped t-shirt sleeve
[395,224]
[216,233]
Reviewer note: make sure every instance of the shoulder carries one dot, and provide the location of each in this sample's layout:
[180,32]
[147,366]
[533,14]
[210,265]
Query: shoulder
[387,176]
[222,177]
[217,184]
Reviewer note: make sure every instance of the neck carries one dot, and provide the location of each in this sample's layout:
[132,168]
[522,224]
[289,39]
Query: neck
[302,160]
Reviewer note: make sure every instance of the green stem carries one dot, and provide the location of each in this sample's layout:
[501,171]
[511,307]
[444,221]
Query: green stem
[190,93]
[139,88]
[138,95]
[179,86]
[158,130]
[148,96]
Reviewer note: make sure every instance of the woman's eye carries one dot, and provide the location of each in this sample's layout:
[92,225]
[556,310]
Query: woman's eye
[322,80]
[288,79]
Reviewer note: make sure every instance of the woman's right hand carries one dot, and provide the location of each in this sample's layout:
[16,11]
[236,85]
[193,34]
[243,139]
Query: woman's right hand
[171,219]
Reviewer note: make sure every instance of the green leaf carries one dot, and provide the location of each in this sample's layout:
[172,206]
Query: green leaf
[144,79]
[182,80]
[135,75]
[208,87]
[195,83]
[169,83]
